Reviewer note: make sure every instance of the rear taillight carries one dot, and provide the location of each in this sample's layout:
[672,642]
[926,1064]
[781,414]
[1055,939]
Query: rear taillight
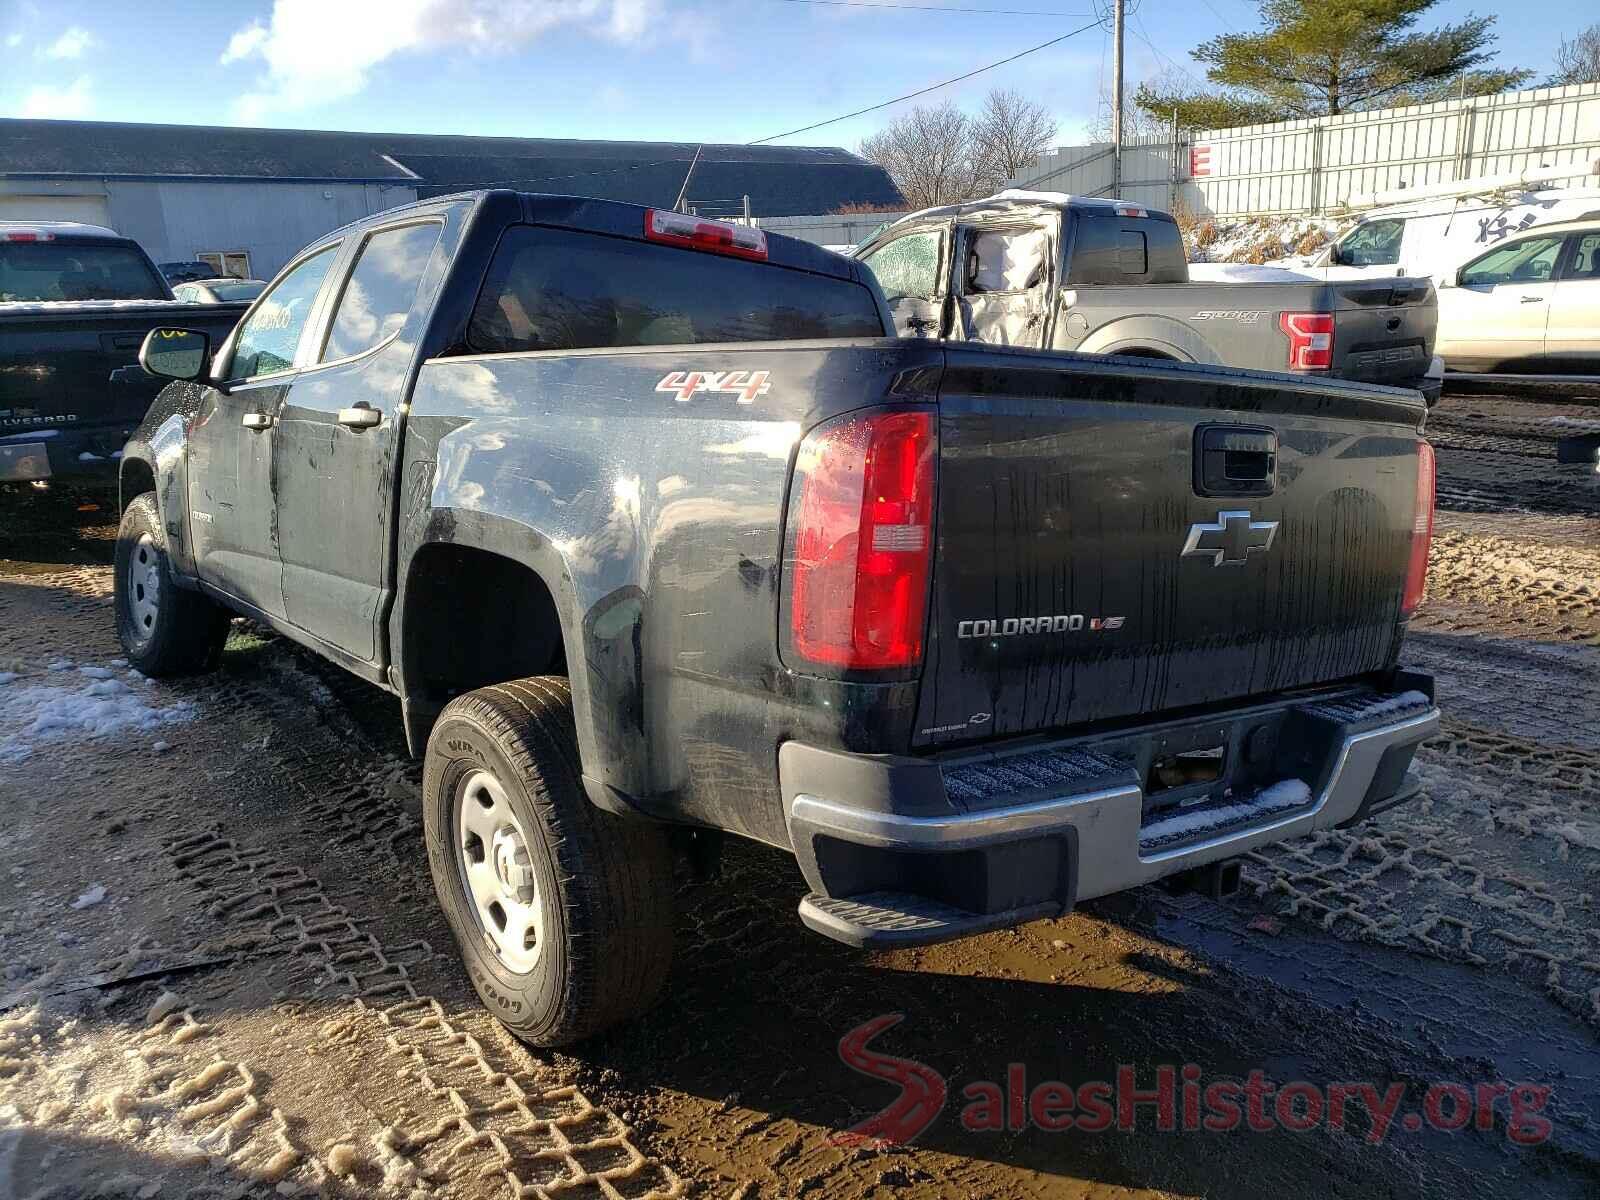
[1421,532]
[863,542]
[1310,340]
[679,229]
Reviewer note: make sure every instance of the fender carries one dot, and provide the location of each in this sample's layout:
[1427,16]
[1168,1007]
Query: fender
[518,542]
[160,447]
[1150,331]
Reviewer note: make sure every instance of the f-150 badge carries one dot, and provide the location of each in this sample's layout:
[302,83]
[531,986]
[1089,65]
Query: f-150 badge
[747,385]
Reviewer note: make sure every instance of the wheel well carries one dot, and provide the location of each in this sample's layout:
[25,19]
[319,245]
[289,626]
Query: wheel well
[137,479]
[473,618]
[1146,352]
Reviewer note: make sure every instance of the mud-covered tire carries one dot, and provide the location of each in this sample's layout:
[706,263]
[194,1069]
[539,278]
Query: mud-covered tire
[605,882]
[183,632]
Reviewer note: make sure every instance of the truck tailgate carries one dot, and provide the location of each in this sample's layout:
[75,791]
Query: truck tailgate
[1383,329]
[1062,590]
[56,359]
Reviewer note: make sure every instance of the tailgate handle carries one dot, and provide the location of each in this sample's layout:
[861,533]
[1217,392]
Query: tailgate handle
[1235,460]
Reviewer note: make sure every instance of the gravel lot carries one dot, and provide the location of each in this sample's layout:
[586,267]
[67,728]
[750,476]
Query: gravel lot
[224,973]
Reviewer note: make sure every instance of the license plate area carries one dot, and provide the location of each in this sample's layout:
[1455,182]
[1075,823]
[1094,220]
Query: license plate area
[23,462]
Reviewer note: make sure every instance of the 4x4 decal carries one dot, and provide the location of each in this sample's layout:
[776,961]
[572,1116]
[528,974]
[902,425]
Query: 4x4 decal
[747,385]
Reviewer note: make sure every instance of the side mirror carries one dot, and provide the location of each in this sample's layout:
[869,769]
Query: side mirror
[175,353]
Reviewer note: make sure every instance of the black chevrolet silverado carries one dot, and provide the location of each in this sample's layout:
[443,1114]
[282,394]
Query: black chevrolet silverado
[75,304]
[657,535]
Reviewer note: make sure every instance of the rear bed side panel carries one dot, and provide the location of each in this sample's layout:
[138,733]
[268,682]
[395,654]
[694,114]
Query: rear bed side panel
[657,525]
[1068,494]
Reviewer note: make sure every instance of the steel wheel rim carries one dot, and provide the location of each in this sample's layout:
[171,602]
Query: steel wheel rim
[144,587]
[494,858]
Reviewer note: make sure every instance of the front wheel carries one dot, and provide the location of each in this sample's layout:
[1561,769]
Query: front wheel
[563,912]
[164,629]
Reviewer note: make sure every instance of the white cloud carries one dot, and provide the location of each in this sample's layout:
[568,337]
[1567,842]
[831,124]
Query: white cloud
[66,103]
[13,40]
[246,42]
[313,52]
[70,44]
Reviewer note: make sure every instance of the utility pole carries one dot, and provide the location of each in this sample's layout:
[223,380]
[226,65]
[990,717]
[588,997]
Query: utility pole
[1116,98]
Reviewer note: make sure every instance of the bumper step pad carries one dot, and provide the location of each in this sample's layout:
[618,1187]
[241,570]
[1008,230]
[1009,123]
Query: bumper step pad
[883,920]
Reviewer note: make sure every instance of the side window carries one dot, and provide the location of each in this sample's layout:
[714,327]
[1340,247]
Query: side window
[184,293]
[1371,244]
[1528,261]
[908,267]
[378,295]
[1006,260]
[1585,257]
[269,335]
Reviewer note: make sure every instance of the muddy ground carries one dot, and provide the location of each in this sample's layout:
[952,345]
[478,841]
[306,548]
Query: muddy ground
[224,972]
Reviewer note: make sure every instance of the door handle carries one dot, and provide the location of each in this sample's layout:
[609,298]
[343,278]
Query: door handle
[257,421]
[1533,299]
[362,416]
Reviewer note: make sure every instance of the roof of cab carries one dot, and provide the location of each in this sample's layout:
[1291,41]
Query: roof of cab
[61,228]
[614,218]
[1019,200]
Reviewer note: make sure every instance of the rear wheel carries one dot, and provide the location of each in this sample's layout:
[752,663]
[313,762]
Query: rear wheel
[164,629]
[563,912]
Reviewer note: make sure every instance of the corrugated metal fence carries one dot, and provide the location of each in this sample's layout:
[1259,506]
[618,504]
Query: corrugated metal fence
[1317,165]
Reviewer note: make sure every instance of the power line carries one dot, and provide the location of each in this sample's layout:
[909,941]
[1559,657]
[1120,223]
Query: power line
[1162,57]
[1003,12]
[931,88]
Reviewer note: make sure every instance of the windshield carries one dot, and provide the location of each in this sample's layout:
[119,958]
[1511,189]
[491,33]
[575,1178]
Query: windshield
[33,271]
[1371,244]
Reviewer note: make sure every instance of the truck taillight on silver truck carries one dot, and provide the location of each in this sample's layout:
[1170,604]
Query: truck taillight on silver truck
[1421,532]
[861,542]
[1310,340]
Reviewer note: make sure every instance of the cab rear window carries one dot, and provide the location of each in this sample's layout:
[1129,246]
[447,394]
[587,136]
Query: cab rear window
[556,289]
[66,270]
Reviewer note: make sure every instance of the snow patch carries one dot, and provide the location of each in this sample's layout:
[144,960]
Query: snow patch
[1285,794]
[91,897]
[93,702]
[1226,272]
[1402,700]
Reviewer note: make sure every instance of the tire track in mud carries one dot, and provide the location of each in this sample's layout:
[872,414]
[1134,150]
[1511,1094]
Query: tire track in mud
[1487,584]
[1437,876]
[483,1117]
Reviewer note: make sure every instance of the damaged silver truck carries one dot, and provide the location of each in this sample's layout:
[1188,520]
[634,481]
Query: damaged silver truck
[1048,271]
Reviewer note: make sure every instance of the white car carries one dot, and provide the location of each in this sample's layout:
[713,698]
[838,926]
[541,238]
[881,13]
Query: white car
[1528,306]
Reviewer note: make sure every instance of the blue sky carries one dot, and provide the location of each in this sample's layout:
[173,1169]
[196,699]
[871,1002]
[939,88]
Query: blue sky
[683,70]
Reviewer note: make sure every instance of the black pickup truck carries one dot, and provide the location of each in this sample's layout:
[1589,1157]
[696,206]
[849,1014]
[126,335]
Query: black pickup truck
[657,535]
[1044,269]
[76,302]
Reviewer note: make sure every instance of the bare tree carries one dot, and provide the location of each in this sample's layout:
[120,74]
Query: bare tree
[928,152]
[1009,133]
[1578,61]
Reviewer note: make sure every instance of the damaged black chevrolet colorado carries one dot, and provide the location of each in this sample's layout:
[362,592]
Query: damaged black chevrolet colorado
[652,528]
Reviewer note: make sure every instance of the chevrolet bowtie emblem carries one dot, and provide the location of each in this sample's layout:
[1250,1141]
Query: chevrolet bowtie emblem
[1230,540]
